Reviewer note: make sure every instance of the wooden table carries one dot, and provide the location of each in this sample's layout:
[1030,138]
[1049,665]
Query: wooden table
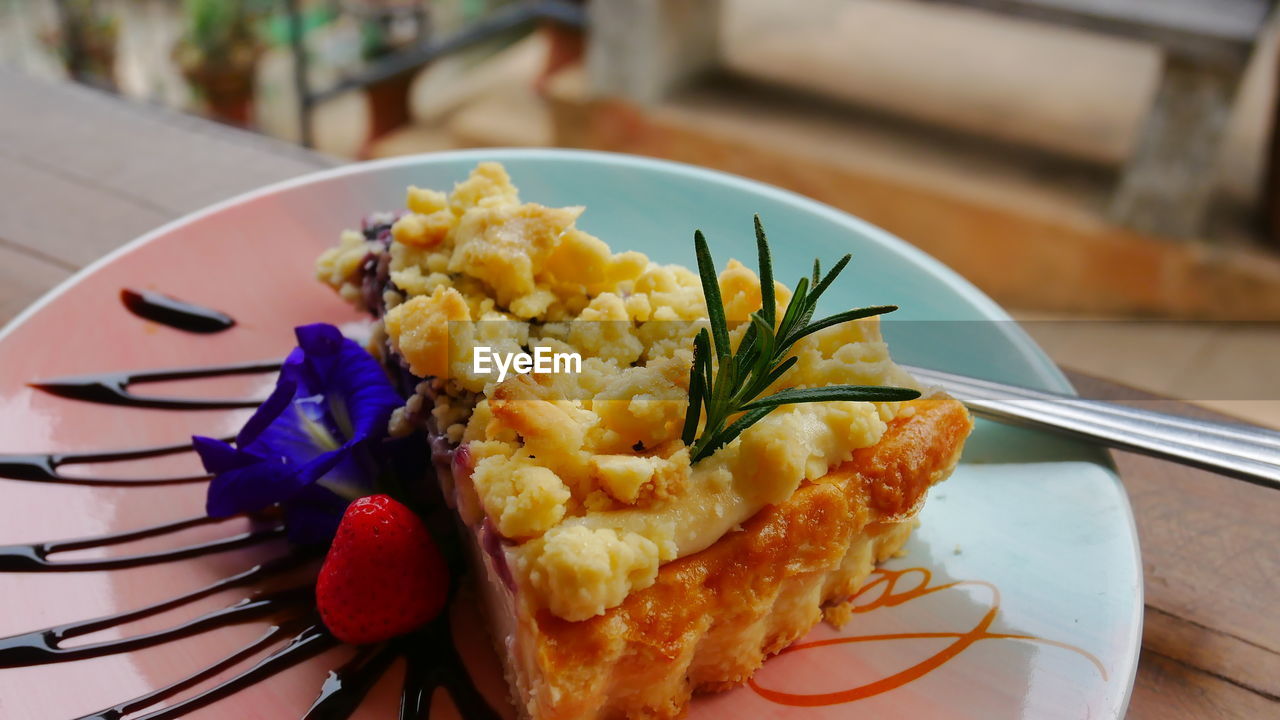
[83,172]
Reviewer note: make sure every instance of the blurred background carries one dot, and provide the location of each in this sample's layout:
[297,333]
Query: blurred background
[1079,160]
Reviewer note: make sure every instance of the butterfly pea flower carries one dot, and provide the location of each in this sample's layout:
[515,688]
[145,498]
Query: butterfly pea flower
[314,445]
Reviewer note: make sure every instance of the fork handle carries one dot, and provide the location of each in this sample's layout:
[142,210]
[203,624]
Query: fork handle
[1248,453]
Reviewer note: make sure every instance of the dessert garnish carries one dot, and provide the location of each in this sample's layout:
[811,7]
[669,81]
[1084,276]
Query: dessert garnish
[314,445]
[383,576]
[728,382]
[317,448]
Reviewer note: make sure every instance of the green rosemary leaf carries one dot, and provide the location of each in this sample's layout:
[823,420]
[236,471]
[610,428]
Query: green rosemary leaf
[702,357]
[860,393]
[844,317]
[764,335]
[696,393]
[757,363]
[693,412]
[773,375]
[724,383]
[768,305]
[747,346]
[821,287]
[794,308]
[711,291]
[806,315]
[726,436]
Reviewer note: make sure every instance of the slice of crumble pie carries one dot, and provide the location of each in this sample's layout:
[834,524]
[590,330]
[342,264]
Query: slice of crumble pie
[620,578]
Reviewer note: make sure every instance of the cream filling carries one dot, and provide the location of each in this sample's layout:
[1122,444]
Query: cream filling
[586,565]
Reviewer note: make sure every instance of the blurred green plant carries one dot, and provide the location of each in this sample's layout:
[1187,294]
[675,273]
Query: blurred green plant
[85,41]
[220,32]
[218,53]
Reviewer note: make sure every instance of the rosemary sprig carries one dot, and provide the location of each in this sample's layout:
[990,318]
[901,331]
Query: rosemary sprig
[724,383]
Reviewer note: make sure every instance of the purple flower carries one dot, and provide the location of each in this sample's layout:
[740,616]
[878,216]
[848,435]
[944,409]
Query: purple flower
[313,446]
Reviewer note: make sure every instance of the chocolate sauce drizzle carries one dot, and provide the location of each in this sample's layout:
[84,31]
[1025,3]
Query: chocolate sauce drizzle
[432,662]
[431,659]
[44,468]
[128,707]
[175,313]
[310,642]
[35,557]
[41,647]
[346,687]
[112,388]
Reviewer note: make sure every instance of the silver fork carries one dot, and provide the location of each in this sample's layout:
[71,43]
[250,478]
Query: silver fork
[1241,451]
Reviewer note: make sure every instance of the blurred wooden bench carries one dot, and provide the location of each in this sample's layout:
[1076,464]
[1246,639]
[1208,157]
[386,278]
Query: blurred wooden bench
[642,49]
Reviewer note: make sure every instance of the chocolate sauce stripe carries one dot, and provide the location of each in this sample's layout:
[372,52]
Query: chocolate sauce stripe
[120,455]
[129,707]
[181,373]
[415,696]
[432,662]
[103,394]
[112,388]
[34,557]
[309,643]
[22,655]
[175,313]
[347,686]
[38,467]
[44,646]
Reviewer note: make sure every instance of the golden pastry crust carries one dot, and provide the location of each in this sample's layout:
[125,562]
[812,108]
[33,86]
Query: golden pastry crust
[711,618]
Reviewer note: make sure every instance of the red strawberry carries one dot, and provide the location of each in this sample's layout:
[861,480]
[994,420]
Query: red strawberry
[383,575]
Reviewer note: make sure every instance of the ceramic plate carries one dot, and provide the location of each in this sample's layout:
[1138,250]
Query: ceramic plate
[1019,597]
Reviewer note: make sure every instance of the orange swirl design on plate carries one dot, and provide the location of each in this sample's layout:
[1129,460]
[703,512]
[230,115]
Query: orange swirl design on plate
[892,595]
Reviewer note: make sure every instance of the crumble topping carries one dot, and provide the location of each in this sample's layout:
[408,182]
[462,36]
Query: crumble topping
[585,473]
